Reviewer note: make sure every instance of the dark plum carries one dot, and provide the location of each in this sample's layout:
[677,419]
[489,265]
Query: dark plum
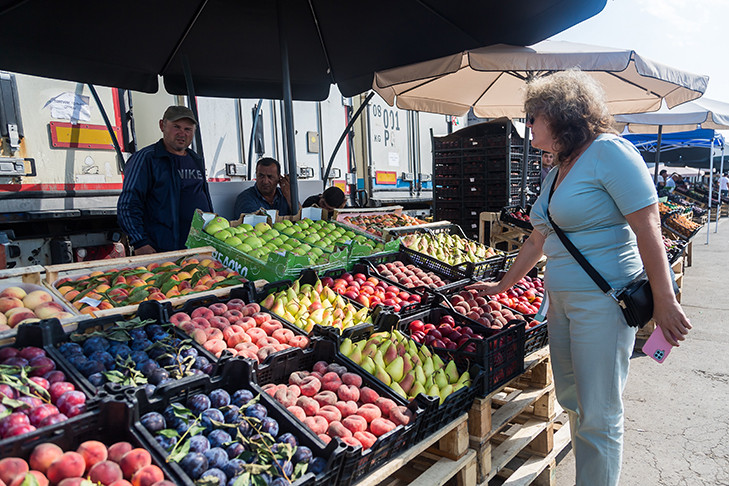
[245,428]
[209,416]
[256,411]
[288,438]
[199,443]
[155,352]
[159,336]
[189,351]
[167,443]
[198,403]
[235,449]
[215,473]
[121,350]
[157,376]
[234,467]
[147,367]
[151,330]
[104,357]
[317,465]
[217,457]
[78,360]
[219,398]
[201,362]
[140,345]
[69,349]
[16,361]
[241,397]
[169,414]
[153,421]
[269,426]
[97,379]
[302,454]
[90,367]
[232,414]
[139,356]
[95,343]
[219,438]
[194,464]
[137,334]
[149,389]
[175,343]
[181,427]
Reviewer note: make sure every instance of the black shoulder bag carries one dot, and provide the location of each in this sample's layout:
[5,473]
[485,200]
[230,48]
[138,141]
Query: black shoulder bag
[635,299]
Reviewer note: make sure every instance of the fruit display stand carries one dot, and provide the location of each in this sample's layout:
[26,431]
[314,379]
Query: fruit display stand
[519,429]
[30,274]
[382,233]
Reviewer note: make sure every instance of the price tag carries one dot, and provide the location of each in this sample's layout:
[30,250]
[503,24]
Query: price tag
[90,301]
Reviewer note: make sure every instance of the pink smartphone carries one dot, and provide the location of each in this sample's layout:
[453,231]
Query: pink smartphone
[656,346]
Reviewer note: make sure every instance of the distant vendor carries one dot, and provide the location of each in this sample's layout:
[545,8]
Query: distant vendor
[266,193]
[332,198]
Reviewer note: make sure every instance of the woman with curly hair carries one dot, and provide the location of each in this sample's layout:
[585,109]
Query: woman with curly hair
[603,198]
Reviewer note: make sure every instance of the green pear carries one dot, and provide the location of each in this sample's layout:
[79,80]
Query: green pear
[370,349]
[278,308]
[464,379]
[390,354]
[433,391]
[451,372]
[407,364]
[429,382]
[444,392]
[428,366]
[419,375]
[395,369]
[424,352]
[440,379]
[437,362]
[356,355]
[401,349]
[379,360]
[407,382]
[412,348]
[268,301]
[458,386]
[368,365]
[417,388]
[381,374]
[346,347]
[398,389]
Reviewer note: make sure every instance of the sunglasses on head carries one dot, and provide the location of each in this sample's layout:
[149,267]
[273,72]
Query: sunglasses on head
[531,119]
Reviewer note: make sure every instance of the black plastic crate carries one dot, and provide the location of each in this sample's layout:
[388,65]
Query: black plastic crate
[57,337]
[36,336]
[535,338]
[357,462]
[234,375]
[500,353]
[109,424]
[507,216]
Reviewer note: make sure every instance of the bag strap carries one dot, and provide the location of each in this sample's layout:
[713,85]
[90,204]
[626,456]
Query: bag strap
[594,274]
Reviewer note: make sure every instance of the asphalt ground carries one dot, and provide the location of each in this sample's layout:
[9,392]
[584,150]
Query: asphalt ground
[677,413]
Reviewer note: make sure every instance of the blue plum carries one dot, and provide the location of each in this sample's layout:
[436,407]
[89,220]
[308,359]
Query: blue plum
[199,443]
[217,457]
[233,467]
[256,411]
[219,438]
[198,403]
[302,454]
[215,473]
[270,426]
[241,397]
[194,464]
[288,438]
[219,398]
[153,421]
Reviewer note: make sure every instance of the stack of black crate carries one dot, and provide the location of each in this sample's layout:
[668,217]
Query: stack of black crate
[479,168]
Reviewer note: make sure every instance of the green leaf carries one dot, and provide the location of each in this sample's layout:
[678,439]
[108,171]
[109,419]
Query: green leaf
[169,433]
[29,480]
[228,282]
[167,286]
[177,454]
[189,268]
[114,376]
[13,404]
[243,480]
[196,430]
[208,481]
[137,295]
[299,470]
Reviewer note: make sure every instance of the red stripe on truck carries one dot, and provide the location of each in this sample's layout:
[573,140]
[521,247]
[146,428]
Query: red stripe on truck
[60,187]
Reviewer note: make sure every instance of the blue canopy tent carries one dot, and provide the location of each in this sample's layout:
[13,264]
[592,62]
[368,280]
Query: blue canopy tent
[691,149]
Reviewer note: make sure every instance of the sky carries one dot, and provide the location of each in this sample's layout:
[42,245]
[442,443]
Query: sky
[685,34]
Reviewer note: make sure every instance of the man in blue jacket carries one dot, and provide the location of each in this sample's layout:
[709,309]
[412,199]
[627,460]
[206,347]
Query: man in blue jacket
[163,185]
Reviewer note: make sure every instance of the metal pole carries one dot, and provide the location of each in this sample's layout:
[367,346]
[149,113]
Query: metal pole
[711,172]
[256,117]
[345,133]
[721,171]
[524,166]
[192,101]
[288,109]
[658,154]
[120,158]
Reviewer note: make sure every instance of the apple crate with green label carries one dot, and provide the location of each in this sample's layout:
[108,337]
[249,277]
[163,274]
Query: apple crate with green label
[267,261]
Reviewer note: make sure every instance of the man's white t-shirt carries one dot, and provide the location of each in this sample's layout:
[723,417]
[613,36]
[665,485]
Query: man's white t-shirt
[670,184]
[723,183]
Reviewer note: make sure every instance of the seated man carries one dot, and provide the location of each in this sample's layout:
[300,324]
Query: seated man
[266,193]
[332,198]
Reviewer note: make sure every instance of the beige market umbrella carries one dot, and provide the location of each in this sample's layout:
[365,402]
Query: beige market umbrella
[491,79]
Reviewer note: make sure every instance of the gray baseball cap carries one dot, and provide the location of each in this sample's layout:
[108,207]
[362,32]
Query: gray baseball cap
[174,113]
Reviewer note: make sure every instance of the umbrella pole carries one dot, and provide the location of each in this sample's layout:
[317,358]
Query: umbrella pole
[524,166]
[721,171]
[288,110]
[711,173]
[658,155]
[192,101]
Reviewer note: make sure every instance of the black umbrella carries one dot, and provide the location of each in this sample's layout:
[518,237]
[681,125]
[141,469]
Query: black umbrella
[247,49]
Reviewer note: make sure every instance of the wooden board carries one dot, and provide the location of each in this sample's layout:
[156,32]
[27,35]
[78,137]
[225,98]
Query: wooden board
[29,275]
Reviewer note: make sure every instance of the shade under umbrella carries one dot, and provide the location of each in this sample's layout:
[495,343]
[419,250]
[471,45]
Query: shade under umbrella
[491,79]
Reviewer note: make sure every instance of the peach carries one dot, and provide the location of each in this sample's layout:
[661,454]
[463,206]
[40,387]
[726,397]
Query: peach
[14,292]
[36,298]
[347,408]
[63,315]
[326,398]
[231,330]
[308,405]
[267,341]
[180,317]
[320,367]
[233,315]
[148,475]
[199,336]
[367,439]
[246,323]
[133,461]
[11,468]
[203,312]
[310,386]
[92,451]
[283,335]
[317,424]
[325,438]
[297,412]
[219,322]
[265,352]
[271,326]
[368,395]
[236,304]
[187,327]
[330,412]
[78,481]
[285,397]
[352,379]
[105,472]
[256,333]
[218,309]
[336,429]
[348,392]
[69,465]
[200,322]
[40,479]
[261,317]
[369,412]
[48,310]
[299,342]
[7,303]
[400,415]
[381,426]
[4,320]
[213,333]
[385,405]
[331,381]
[215,346]
[19,317]
[43,455]
[355,423]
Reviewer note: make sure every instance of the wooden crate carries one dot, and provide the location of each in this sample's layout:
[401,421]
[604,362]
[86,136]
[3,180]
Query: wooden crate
[500,232]
[29,275]
[519,419]
[441,458]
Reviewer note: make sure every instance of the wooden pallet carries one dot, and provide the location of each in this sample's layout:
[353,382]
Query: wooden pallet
[518,419]
[440,458]
[500,232]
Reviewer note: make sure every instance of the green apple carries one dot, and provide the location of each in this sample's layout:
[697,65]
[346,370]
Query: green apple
[261,228]
[293,242]
[253,242]
[212,228]
[273,232]
[271,246]
[304,223]
[289,231]
[279,226]
[266,236]
[316,252]
[288,222]
[233,241]
[222,221]
[286,247]
[245,248]
[223,234]
[305,247]
[277,241]
[311,239]
[299,235]
[245,227]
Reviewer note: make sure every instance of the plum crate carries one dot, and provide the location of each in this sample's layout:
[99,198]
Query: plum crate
[242,295]
[35,336]
[108,424]
[507,216]
[535,338]
[232,376]
[154,314]
[357,462]
[407,259]
[260,295]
